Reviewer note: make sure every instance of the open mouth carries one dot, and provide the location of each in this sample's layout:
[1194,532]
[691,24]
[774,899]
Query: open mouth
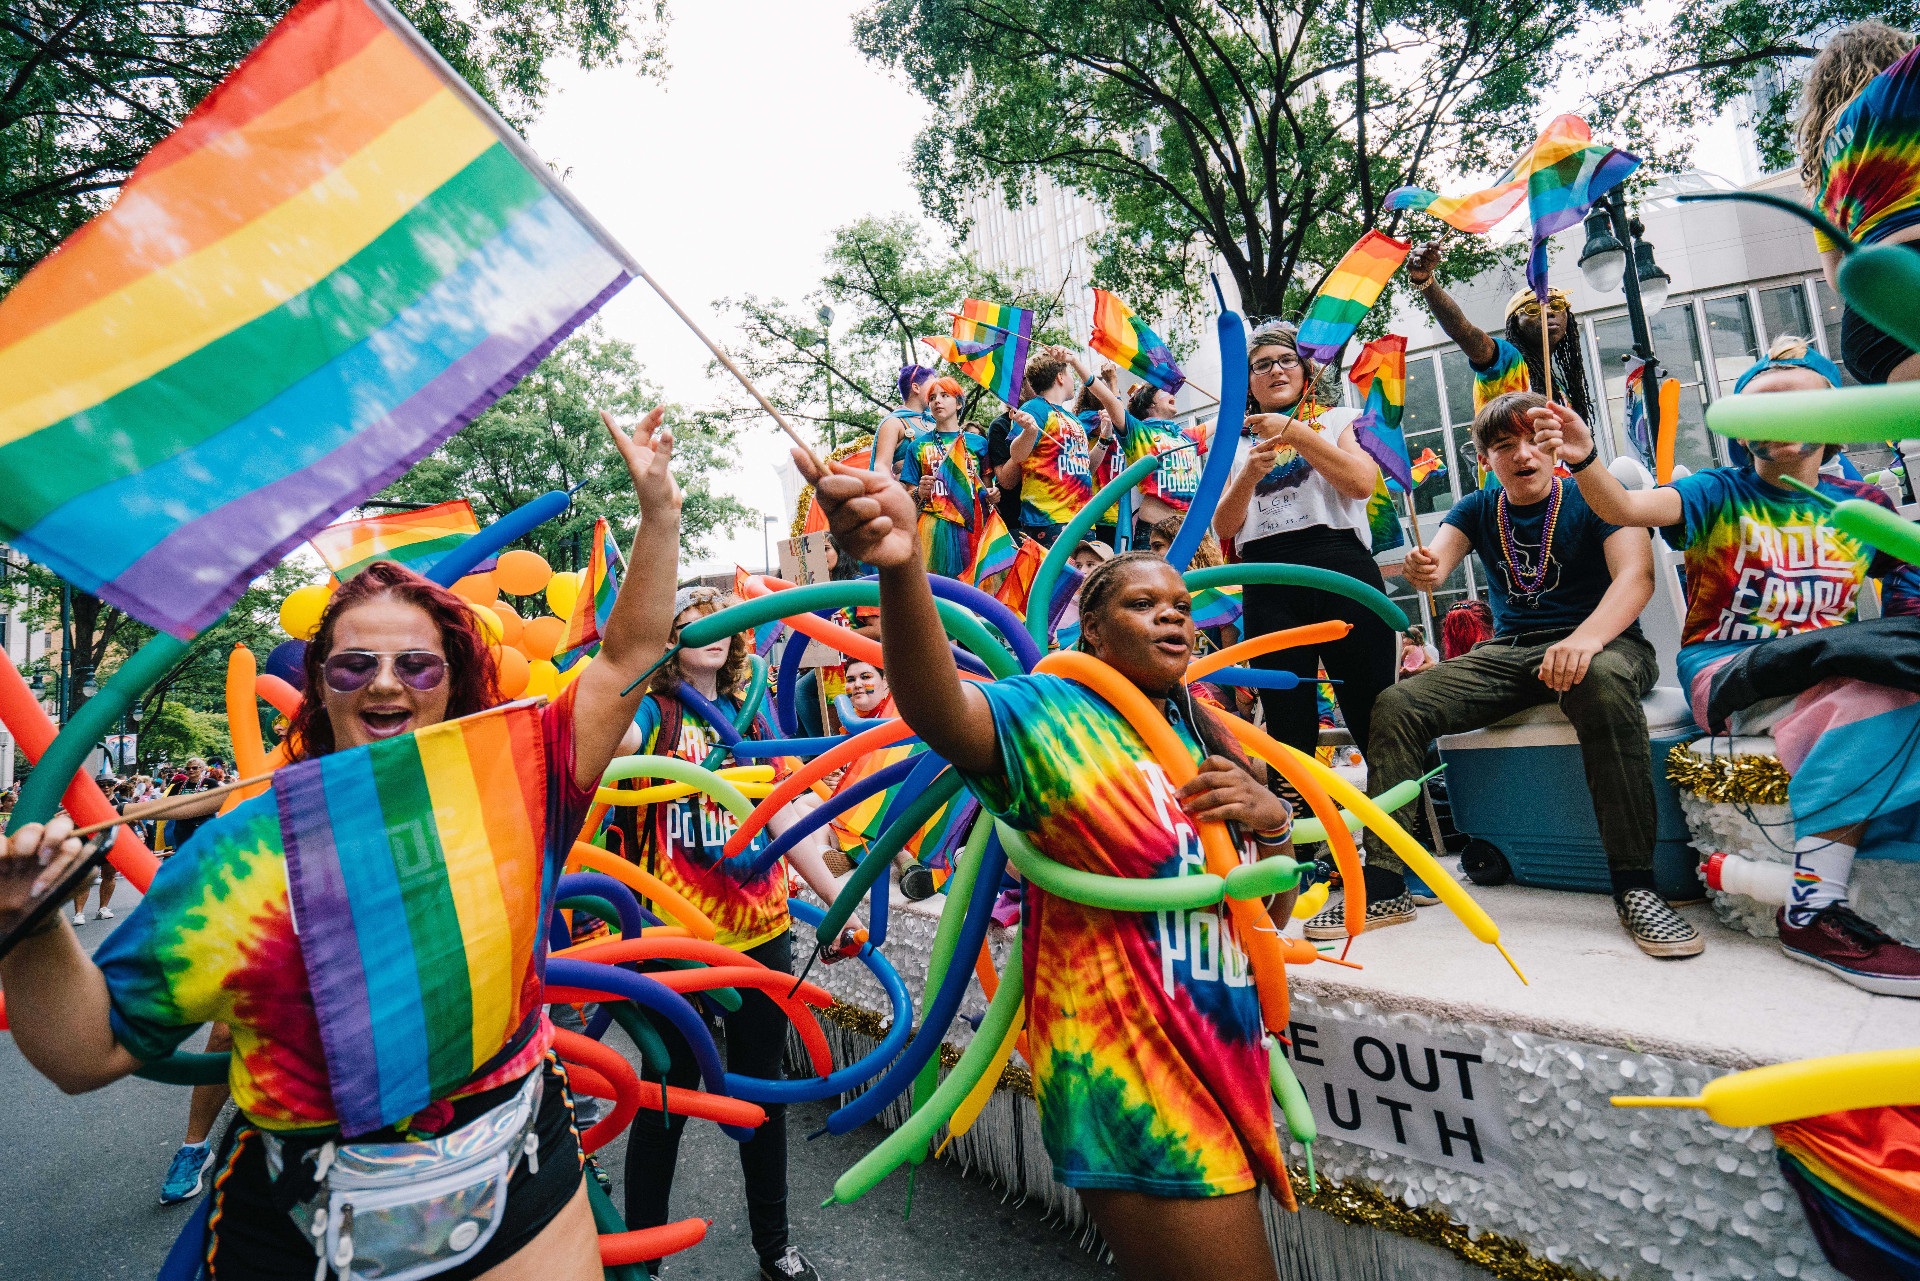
[1173,647]
[385,722]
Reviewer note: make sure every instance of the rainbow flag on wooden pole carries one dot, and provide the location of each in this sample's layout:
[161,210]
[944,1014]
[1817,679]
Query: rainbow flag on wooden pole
[594,605]
[416,539]
[1348,294]
[338,259]
[1379,376]
[1124,338]
[416,868]
[989,343]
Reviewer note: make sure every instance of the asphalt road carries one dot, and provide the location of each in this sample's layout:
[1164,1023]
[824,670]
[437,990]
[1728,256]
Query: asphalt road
[80,1180]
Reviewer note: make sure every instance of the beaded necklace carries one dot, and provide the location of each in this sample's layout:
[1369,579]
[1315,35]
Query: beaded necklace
[1529,584]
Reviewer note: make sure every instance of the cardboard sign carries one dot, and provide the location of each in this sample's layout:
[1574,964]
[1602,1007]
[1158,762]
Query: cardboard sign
[1418,1094]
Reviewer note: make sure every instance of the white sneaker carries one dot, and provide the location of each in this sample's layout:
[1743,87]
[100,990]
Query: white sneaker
[80,917]
[104,914]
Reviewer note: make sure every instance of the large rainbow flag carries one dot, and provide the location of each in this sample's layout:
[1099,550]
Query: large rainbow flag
[1348,294]
[337,260]
[1379,377]
[417,872]
[1561,190]
[1857,1175]
[989,343]
[594,605]
[415,539]
[1124,338]
[1566,139]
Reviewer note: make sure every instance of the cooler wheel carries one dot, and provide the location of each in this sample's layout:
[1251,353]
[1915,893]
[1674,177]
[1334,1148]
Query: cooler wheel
[1484,864]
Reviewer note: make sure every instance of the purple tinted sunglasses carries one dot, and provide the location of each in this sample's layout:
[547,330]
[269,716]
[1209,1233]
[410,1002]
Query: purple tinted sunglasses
[352,670]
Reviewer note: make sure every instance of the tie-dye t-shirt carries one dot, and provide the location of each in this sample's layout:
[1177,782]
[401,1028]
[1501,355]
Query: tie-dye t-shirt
[1507,372]
[1106,470]
[1057,479]
[213,941]
[1763,561]
[1872,158]
[1177,479]
[683,844]
[1149,1065]
[950,515]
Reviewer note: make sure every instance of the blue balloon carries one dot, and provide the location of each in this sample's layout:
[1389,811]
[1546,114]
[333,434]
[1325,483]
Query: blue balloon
[1231,332]
[288,662]
[462,560]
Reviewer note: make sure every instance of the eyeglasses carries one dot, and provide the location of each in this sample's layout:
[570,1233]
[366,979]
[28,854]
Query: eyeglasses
[352,670]
[1270,363]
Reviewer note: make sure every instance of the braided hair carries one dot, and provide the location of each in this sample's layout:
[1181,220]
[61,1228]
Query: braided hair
[1569,370]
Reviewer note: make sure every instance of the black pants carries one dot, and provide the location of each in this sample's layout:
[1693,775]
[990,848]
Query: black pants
[1869,352]
[756,1043]
[1362,662]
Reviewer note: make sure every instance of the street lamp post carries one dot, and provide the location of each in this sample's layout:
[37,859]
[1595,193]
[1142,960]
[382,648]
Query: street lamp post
[66,652]
[825,315]
[1614,240]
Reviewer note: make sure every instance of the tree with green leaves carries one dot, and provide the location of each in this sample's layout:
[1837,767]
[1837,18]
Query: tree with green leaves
[87,87]
[889,286]
[1261,132]
[546,434]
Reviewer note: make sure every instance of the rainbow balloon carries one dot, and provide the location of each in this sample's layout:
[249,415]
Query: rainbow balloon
[337,260]
[1349,293]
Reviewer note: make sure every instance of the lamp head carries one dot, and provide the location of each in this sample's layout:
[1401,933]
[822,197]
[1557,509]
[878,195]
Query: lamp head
[1604,259]
[1654,282]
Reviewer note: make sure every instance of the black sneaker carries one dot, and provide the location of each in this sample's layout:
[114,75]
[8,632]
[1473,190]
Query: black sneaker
[917,883]
[1844,944]
[1331,923]
[788,1265]
[1657,929]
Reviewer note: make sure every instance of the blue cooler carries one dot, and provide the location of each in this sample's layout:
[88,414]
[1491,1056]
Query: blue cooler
[1520,787]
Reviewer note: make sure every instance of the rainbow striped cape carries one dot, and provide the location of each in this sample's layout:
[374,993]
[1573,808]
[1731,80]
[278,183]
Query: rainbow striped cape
[415,539]
[1348,294]
[989,343]
[1124,338]
[594,604]
[417,874]
[1379,376]
[337,260]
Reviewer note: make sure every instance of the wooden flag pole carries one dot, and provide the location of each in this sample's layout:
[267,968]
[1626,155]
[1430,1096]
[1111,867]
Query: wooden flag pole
[1546,347]
[727,363]
[1414,516]
[170,804]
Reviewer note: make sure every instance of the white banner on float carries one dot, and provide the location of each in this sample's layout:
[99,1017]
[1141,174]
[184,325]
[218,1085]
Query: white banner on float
[1418,1094]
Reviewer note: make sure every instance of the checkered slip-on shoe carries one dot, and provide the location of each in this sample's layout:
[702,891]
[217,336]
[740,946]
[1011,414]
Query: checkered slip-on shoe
[1657,928]
[1331,923]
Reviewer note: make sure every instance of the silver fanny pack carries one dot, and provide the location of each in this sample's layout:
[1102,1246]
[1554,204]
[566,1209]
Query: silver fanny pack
[403,1211]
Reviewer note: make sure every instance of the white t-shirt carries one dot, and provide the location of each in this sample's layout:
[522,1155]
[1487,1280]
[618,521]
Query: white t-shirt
[1295,496]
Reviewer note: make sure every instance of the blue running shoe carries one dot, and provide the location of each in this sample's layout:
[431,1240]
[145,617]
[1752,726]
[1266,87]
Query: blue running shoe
[1418,890]
[188,1173]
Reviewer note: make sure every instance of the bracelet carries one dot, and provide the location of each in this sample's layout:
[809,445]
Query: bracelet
[1575,469]
[1277,836]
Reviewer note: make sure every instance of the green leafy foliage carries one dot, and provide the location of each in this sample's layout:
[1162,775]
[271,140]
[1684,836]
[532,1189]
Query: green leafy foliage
[178,732]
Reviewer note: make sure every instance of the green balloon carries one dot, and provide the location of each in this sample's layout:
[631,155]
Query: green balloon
[1062,549]
[184,1067]
[1853,415]
[638,1025]
[946,937]
[1114,893]
[1267,877]
[1288,1094]
[960,623]
[1301,576]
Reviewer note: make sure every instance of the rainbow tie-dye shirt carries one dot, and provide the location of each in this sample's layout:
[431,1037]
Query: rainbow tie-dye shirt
[1763,561]
[1507,372]
[1872,158]
[1177,479]
[1057,479]
[950,515]
[1149,1066]
[213,941]
[683,844]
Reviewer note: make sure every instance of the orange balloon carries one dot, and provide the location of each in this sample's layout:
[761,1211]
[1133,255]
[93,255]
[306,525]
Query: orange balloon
[540,636]
[521,572]
[511,624]
[478,588]
[514,671]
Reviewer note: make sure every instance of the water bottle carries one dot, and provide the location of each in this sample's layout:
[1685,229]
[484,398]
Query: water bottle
[1762,880]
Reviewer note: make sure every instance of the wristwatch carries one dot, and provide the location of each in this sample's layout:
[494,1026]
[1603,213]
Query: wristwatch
[1575,469]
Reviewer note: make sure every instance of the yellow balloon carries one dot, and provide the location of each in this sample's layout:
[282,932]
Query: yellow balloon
[490,625]
[1794,1091]
[300,612]
[1312,901]
[543,679]
[562,591]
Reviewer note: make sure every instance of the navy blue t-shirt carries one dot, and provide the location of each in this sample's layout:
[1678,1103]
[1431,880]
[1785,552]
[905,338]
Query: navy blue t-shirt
[1577,575]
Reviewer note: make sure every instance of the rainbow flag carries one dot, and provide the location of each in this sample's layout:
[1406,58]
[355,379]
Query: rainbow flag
[1857,1174]
[989,343]
[1384,531]
[1555,163]
[415,539]
[1216,607]
[1124,338]
[993,549]
[1348,294]
[337,260]
[1427,464]
[1379,376]
[417,872]
[1560,190]
[595,602]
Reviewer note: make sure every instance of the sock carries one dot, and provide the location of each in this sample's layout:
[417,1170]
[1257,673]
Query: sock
[1382,883]
[1820,870]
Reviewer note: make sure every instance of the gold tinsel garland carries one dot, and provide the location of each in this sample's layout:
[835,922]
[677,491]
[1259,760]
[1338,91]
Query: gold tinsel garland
[1739,780]
[1356,1202]
[799,527]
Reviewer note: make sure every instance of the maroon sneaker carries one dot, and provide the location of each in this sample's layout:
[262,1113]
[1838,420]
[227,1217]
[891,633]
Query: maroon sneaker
[1858,951]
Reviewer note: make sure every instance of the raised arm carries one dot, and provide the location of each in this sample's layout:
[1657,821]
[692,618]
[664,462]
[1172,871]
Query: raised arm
[1019,447]
[1473,340]
[1562,432]
[642,618]
[873,520]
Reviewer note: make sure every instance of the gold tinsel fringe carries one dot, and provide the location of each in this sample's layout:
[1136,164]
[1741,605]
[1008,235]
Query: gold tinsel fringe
[799,527]
[1740,780]
[1014,1076]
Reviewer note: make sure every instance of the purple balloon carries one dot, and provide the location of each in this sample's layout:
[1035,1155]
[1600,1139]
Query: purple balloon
[288,662]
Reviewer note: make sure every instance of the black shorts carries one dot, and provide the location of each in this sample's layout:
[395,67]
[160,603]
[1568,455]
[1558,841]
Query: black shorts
[1870,353]
[252,1240]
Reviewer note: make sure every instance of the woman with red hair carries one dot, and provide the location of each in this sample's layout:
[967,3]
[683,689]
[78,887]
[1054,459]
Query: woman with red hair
[214,938]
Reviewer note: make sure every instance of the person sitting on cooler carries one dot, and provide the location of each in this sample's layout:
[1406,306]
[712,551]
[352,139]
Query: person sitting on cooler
[1566,588]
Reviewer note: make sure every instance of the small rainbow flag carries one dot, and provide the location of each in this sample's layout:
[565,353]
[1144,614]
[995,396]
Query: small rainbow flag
[1383,517]
[337,260]
[415,539]
[595,602]
[1427,464]
[1348,294]
[1216,607]
[1124,338]
[1561,189]
[994,550]
[417,871]
[1379,375]
[989,343]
